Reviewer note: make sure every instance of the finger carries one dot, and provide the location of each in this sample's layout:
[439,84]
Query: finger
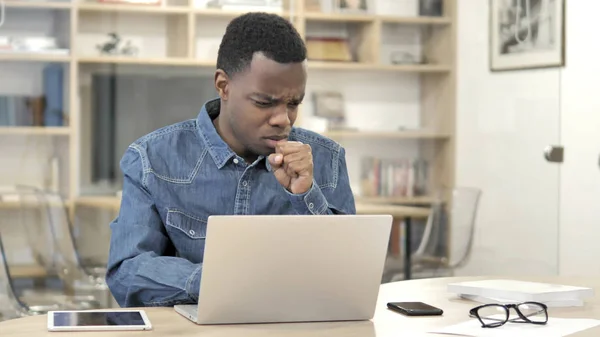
[297,156]
[275,159]
[282,176]
[298,168]
[288,147]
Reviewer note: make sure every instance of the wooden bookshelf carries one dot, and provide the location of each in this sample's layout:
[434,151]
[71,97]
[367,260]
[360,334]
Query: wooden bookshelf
[436,82]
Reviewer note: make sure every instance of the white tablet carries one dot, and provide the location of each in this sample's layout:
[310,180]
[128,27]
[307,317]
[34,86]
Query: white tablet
[98,320]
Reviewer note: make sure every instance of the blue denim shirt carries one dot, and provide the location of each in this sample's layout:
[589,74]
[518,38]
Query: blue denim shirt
[175,178]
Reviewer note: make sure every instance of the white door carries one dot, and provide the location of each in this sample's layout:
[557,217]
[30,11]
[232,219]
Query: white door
[580,122]
[504,122]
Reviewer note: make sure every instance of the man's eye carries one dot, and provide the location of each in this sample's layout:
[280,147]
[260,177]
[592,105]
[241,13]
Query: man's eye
[262,104]
[294,104]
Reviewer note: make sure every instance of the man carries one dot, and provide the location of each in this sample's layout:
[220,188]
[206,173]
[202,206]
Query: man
[240,156]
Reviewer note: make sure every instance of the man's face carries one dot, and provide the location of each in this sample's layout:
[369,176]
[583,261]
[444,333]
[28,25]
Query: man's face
[260,105]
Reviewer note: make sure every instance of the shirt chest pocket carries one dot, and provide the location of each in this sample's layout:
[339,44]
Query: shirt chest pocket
[187,233]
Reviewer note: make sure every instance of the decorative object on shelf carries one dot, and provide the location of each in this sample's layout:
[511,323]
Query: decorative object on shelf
[330,105]
[431,8]
[328,49]
[112,47]
[526,34]
[400,57]
[351,5]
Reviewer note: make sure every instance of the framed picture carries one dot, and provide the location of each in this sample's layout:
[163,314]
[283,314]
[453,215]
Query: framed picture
[526,34]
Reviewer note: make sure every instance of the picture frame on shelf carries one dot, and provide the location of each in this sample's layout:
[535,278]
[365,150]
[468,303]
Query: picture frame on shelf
[526,34]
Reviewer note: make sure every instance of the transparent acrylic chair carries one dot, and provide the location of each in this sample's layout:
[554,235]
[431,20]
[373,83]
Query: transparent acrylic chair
[10,304]
[448,235]
[65,259]
[32,219]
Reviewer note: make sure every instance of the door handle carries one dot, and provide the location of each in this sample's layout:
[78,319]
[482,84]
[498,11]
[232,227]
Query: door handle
[554,153]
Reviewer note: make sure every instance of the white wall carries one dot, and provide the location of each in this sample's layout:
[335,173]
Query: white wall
[504,121]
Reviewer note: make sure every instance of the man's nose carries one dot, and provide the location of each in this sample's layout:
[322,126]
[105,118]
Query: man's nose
[280,116]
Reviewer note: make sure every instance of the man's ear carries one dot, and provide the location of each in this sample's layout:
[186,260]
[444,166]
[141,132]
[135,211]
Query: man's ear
[222,84]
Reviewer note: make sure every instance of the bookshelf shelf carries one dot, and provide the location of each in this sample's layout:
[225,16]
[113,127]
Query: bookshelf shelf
[39,4]
[35,131]
[164,61]
[102,202]
[34,57]
[356,66]
[418,20]
[419,200]
[218,13]
[385,135]
[124,8]
[339,17]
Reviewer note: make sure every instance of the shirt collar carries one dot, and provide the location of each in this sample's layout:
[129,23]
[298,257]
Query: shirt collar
[218,149]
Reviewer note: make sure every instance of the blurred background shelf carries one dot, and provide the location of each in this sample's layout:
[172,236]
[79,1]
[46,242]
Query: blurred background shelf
[340,135]
[126,8]
[38,4]
[34,57]
[420,200]
[35,131]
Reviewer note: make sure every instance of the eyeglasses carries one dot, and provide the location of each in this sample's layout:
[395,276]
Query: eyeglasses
[495,315]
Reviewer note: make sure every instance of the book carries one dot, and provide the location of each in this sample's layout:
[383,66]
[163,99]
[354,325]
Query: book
[521,291]
[550,304]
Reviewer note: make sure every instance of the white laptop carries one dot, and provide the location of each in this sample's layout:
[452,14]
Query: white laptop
[290,268]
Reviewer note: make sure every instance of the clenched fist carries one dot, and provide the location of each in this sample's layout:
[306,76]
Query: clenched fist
[293,166]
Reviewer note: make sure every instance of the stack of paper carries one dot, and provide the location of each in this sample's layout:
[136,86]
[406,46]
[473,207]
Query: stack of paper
[512,291]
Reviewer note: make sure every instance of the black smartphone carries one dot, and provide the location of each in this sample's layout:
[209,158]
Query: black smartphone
[415,308]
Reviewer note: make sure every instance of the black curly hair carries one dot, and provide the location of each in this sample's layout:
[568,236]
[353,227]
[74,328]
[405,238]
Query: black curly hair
[255,32]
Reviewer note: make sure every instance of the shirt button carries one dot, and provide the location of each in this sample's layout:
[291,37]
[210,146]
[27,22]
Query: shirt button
[311,206]
[236,161]
[192,232]
[244,183]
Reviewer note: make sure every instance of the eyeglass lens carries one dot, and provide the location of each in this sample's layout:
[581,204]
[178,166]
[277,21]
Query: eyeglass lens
[534,312]
[496,315]
[493,315]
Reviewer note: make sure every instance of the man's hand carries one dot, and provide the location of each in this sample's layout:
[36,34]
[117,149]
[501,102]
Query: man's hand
[293,166]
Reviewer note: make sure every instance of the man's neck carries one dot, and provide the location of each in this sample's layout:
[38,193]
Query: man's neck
[224,131]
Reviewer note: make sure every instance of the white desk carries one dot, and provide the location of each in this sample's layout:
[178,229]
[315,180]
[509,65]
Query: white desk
[386,323]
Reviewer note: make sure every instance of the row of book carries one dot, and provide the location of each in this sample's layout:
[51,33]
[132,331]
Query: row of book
[393,177]
[46,109]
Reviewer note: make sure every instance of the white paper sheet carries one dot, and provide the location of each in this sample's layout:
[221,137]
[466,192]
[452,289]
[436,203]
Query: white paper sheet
[556,327]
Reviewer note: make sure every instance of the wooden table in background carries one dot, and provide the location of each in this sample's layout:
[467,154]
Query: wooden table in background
[400,213]
[166,322]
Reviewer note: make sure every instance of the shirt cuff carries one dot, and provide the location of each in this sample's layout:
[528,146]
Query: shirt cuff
[311,202]
[193,283]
